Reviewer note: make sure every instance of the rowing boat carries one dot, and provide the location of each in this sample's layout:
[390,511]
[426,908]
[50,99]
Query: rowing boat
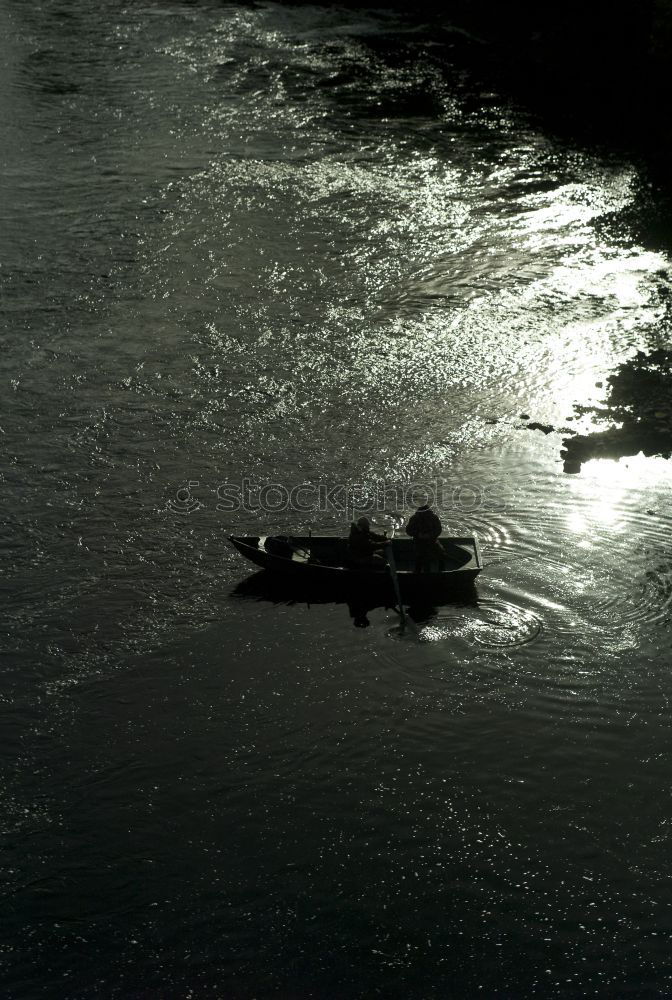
[322,560]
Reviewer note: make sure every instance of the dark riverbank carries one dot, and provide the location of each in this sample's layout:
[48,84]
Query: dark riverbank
[600,71]
[603,67]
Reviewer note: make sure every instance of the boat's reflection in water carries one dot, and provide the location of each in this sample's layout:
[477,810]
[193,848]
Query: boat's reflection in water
[421,605]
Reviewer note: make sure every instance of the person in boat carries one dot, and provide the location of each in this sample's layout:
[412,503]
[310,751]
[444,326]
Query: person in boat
[365,546]
[424,527]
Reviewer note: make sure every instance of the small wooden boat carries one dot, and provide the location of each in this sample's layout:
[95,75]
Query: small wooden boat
[322,560]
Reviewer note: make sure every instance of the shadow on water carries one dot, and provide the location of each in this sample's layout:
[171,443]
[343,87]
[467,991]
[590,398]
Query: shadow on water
[637,409]
[359,600]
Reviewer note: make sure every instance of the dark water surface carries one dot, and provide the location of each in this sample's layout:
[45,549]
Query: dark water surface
[295,245]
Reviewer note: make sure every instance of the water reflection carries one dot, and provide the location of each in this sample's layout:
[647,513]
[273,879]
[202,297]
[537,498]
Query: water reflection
[434,617]
[599,498]
[360,600]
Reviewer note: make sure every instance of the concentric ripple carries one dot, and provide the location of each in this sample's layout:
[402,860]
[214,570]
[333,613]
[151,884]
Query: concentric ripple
[504,625]
[496,624]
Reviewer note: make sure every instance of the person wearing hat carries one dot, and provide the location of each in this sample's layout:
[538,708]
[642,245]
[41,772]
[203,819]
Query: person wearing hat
[424,527]
[364,545]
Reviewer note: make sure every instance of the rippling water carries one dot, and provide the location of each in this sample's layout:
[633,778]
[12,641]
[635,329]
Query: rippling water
[300,246]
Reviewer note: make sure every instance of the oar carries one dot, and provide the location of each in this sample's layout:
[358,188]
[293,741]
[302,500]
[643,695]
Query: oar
[395,582]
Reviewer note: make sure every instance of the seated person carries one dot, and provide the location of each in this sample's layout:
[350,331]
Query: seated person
[424,527]
[364,545]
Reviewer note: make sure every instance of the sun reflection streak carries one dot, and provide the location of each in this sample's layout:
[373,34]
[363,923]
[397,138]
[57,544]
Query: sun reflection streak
[624,278]
[603,494]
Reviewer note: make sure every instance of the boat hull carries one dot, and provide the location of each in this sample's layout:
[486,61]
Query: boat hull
[314,563]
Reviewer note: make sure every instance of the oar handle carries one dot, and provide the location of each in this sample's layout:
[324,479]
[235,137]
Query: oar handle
[395,581]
